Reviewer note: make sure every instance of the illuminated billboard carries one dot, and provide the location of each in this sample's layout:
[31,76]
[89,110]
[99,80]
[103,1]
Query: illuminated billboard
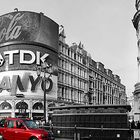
[28,26]
[27,40]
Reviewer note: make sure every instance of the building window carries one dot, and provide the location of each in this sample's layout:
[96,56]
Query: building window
[5,105]
[38,106]
[71,67]
[62,92]
[63,49]
[68,52]
[62,63]
[22,106]
[75,56]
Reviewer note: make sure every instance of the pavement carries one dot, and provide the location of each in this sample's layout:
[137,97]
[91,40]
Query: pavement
[62,139]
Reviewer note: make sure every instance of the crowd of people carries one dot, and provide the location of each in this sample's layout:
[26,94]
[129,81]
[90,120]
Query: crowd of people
[135,124]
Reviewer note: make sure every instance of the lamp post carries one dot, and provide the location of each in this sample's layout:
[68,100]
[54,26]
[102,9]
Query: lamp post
[45,68]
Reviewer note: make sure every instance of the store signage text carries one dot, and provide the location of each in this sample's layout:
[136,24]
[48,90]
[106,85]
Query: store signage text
[13,30]
[11,85]
[34,57]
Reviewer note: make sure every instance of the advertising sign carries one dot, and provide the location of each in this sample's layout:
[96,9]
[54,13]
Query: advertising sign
[27,83]
[28,26]
[26,57]
[27,40]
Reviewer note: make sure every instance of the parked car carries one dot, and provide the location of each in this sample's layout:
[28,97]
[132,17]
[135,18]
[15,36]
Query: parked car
[22,129]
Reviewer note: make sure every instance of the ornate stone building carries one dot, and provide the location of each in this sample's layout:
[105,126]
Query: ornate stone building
[82,80]
[104,86]
[73,72]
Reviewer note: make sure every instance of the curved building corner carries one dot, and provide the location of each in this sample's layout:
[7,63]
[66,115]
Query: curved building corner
[27,39]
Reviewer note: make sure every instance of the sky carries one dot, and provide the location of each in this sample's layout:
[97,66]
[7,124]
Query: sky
[104,27]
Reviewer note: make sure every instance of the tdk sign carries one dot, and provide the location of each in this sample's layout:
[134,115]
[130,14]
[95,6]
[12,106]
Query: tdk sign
[1,60]
[33,57]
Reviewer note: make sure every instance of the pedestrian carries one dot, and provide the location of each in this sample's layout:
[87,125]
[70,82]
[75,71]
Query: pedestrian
[133,124]
[138,125]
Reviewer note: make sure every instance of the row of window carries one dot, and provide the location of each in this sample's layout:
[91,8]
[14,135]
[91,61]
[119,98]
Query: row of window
[78,75]
[76,55]
[74,68]
[71,94]
[106,88]
[18,124]
[68,94]
[20,105]
[72,81]
[73,74]
[107,85]
[102,98]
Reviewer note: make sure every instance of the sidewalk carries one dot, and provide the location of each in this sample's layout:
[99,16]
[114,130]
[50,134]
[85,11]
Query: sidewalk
[62,139]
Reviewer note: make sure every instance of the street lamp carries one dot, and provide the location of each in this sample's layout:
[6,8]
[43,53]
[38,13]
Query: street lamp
[45,68]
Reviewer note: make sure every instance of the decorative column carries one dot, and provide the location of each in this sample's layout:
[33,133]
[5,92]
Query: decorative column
[13,108]
[136,23]
[30,109]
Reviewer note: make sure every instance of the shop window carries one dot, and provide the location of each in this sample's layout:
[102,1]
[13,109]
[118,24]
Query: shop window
[5,105]
[21,105]
[52,105]
[38,106]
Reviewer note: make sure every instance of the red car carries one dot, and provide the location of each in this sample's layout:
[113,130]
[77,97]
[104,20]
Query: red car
[22,129]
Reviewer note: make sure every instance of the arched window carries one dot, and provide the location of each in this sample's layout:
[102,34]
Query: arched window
[21,105]
[52,104]
[5,105]
[38,106]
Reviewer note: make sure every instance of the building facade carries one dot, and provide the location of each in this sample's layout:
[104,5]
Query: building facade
[81,80]
[73,70]
[28,40]
[104,86]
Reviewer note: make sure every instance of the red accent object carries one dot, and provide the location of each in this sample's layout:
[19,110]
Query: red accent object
[22,128]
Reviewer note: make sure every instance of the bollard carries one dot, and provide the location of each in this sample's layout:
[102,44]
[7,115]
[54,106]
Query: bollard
[51,127]
[74,136]
[75,133]
[78,136]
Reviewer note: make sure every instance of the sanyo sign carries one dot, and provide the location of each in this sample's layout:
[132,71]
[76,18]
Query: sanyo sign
[34,57]
[23,80]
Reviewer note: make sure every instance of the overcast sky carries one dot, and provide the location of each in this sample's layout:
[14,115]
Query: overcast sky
[103,26]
